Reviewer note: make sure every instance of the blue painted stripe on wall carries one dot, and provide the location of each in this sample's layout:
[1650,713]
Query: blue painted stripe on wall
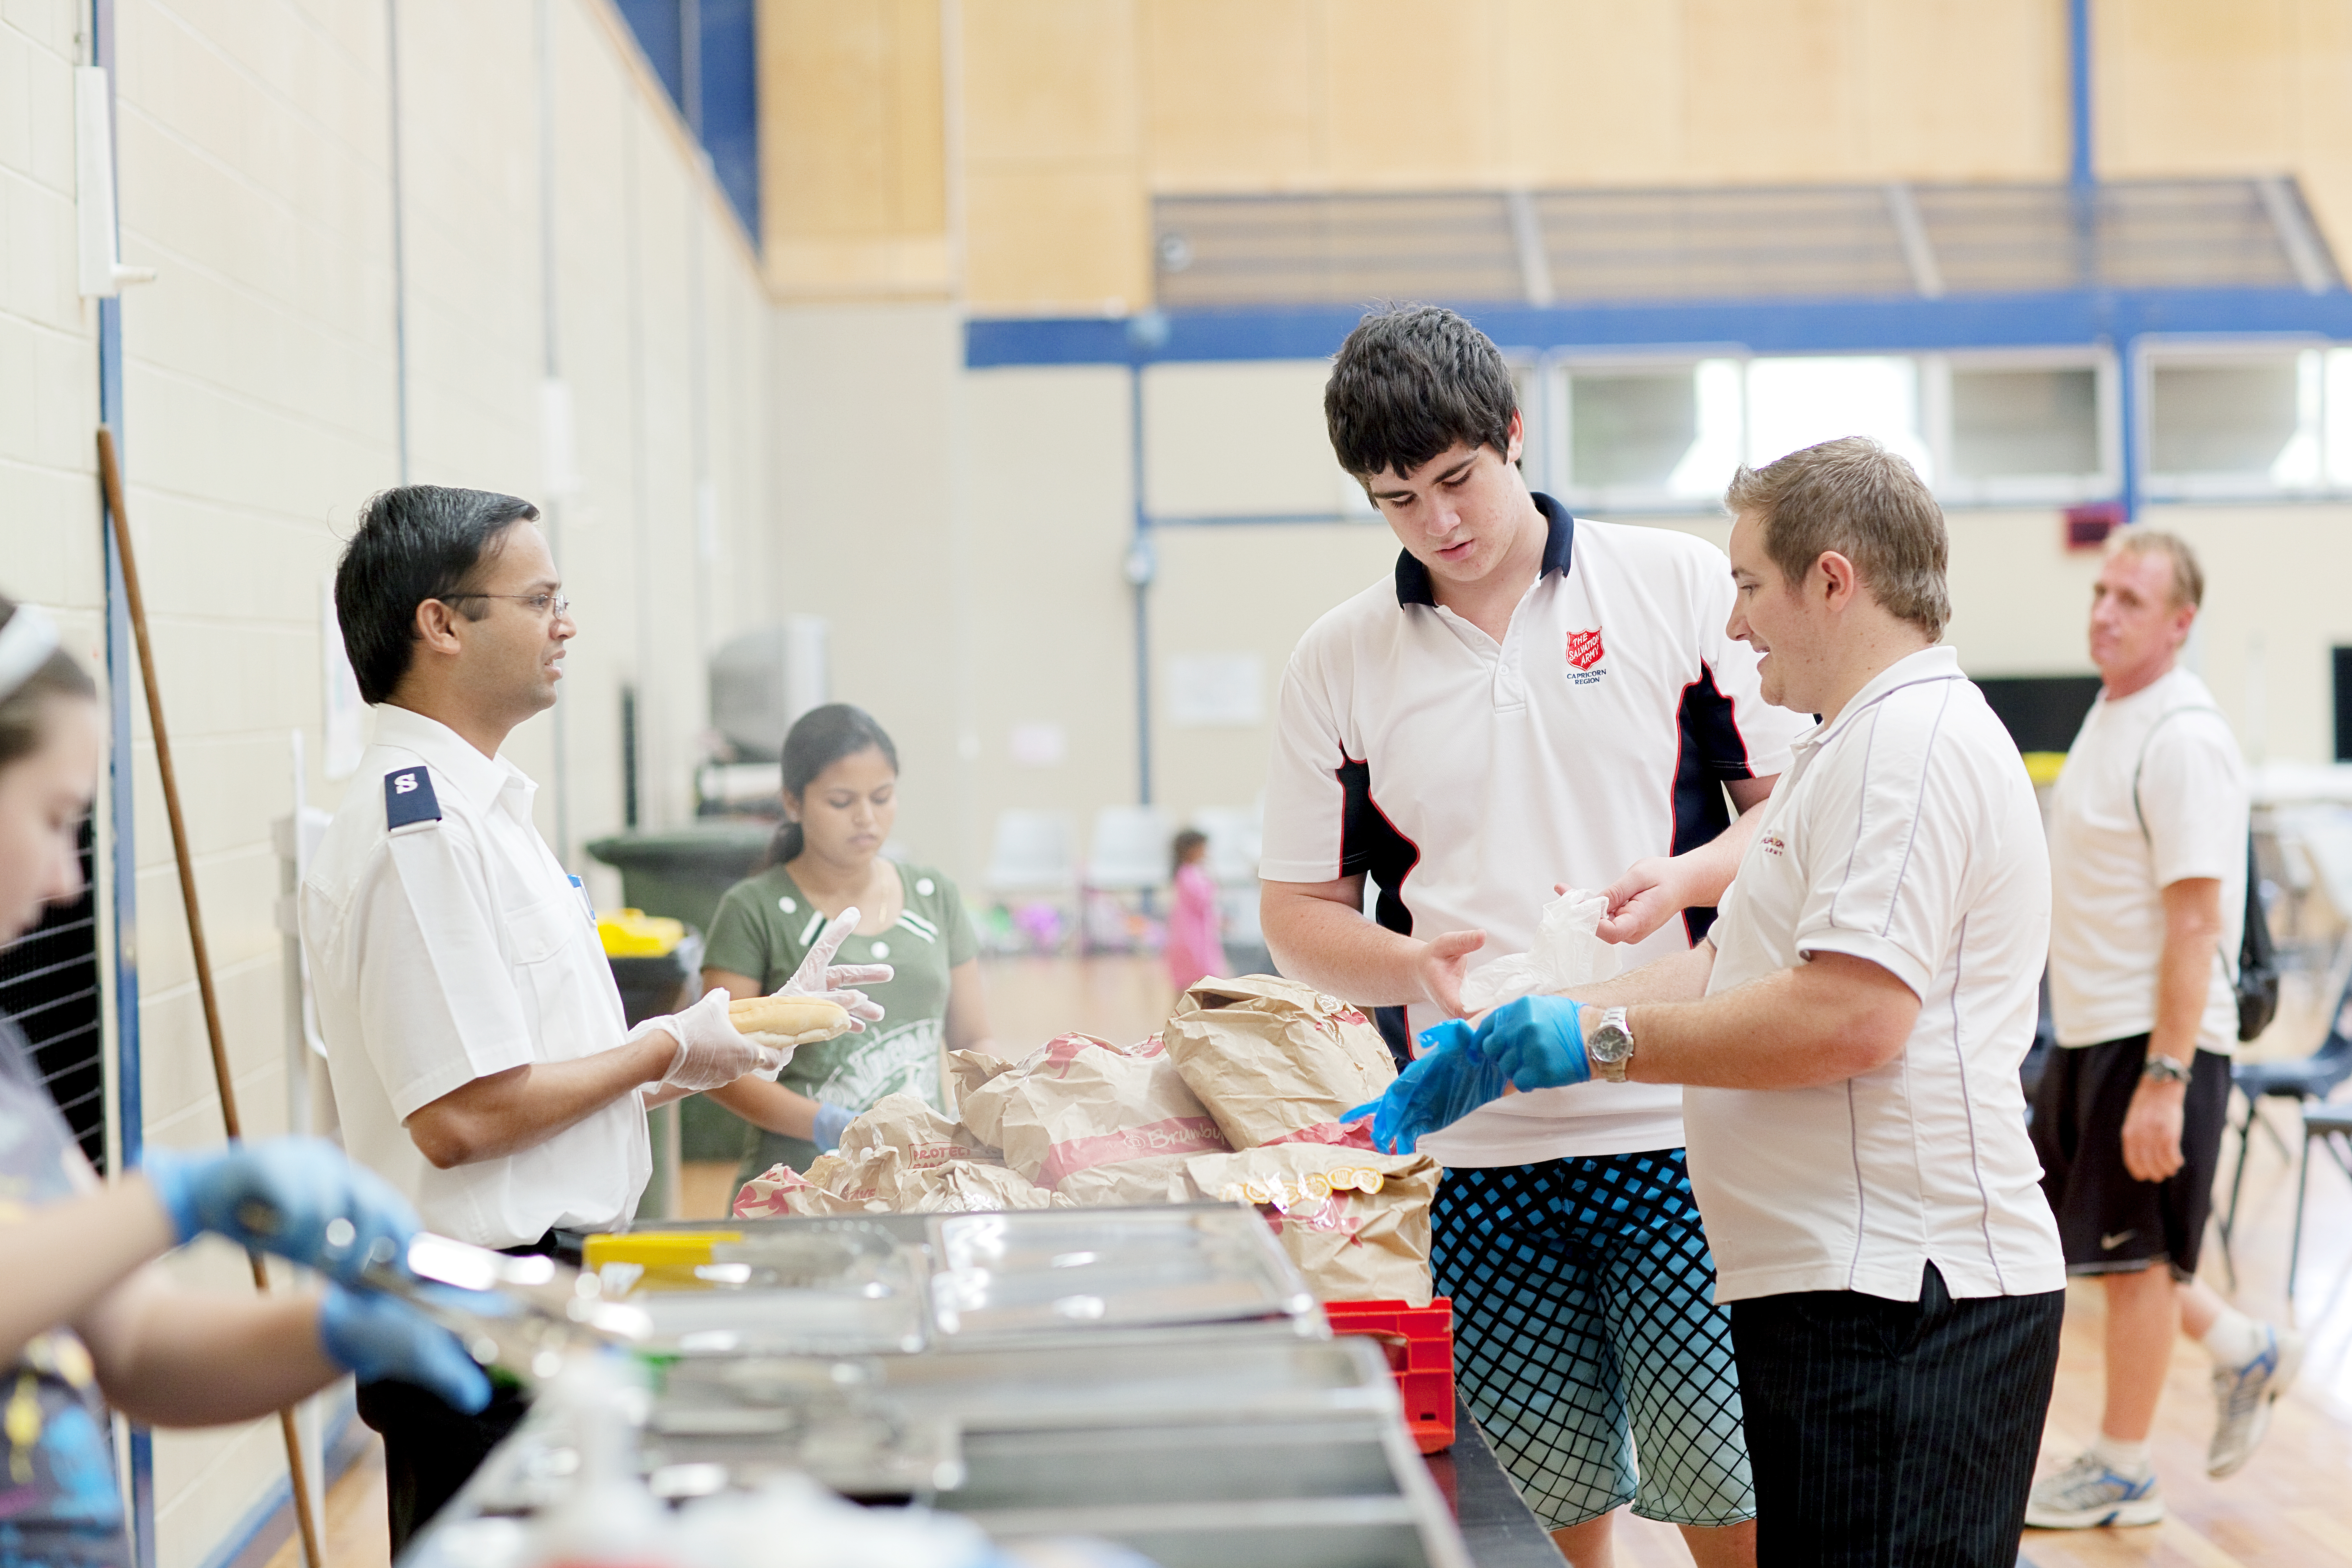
[1762,326]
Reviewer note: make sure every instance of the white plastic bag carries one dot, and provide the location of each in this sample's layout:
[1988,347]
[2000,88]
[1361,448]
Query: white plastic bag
[1568,953]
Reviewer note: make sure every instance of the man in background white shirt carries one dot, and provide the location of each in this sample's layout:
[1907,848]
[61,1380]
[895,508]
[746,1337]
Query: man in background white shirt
[2147,859]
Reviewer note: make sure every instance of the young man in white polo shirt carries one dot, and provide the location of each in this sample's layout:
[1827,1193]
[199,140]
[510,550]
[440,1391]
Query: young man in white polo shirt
[2148,870]
[474,1039]
[1532,698]
[1849,1037]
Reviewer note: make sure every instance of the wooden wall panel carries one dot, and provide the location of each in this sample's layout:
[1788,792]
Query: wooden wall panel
[2321,80]
[1963,90]
[1773,90]
[1234,95]
[2253,87]
[2187,85]
[1049,79]
[1593,93]
[854,147]
[1055,202]
[1415,92]
[1075,113]
[1057,237]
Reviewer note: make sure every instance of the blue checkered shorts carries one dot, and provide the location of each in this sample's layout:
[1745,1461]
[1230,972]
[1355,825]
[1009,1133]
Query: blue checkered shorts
[1586,1339]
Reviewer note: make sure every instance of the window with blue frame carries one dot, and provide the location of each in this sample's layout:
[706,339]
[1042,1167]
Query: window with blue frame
[715,84]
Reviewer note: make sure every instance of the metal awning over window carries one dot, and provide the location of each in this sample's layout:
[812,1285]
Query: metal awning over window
[1570,248]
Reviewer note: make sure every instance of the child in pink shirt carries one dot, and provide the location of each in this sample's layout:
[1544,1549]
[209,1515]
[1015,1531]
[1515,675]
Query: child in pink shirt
[1196,945]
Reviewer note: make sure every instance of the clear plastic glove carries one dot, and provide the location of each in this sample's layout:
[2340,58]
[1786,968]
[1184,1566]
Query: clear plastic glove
[299,1197]
[379,1338]
[710,1053]
[1537,1042]
[1446,1082]
[819,976]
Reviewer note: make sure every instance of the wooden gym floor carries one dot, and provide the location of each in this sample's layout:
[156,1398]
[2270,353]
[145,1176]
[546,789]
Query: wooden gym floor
[2292,1505]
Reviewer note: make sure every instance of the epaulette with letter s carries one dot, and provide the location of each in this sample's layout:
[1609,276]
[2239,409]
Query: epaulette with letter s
[409,804]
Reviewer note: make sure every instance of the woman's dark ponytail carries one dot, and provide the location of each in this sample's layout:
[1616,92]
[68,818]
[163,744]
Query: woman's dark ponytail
[820,738]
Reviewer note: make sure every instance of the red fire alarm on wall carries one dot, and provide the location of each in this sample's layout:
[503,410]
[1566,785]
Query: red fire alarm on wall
[2088,525]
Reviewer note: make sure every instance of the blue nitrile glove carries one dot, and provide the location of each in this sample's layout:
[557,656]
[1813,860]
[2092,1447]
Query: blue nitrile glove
[379,1338]
[1537,1042]
[1450,1079]
[832,1122]
[285,1196]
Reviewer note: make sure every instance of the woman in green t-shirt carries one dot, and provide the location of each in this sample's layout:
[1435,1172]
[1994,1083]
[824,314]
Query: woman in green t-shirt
[841,796]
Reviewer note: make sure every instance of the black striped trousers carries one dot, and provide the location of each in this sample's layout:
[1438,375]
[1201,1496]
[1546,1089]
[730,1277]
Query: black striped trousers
[1884,1433]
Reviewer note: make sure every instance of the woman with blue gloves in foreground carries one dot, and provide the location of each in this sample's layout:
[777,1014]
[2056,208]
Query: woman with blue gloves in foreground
[86,1322]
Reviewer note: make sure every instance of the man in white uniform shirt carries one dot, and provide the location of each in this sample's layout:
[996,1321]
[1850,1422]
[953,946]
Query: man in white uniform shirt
[2147,863]
[1531,698]
[1849,1036]
[475,1037]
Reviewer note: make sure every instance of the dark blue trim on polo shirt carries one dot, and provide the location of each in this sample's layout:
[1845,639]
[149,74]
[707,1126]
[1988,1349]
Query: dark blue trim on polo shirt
[1709,751]
[1372,846]
[1412,583]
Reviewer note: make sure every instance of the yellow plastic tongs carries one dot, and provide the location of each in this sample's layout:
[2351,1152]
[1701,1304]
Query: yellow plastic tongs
[556,1310]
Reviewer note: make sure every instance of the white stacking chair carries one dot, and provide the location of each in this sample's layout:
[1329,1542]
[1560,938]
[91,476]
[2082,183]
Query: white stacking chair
[1126,855]
[1033,853]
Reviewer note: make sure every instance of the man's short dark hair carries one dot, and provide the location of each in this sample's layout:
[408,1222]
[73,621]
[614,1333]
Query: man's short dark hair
[414,543]
[1410,382]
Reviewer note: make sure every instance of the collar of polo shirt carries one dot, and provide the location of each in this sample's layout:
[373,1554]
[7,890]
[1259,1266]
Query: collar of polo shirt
[457,765]
[1937,663]
[1412,583]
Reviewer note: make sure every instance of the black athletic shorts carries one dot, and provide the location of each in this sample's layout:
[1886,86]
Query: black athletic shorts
[2110,1221]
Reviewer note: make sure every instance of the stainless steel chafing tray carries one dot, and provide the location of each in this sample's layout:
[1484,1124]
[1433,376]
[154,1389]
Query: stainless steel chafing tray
[1193,1451]
[1003,1278]
[828,1287]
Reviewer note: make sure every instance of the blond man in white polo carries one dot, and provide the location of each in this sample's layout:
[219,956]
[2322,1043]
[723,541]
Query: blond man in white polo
[1849,1036]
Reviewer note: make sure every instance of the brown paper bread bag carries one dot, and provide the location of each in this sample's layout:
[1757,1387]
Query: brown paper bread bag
[1269,1057]
[1357,1223]
[1073,1114]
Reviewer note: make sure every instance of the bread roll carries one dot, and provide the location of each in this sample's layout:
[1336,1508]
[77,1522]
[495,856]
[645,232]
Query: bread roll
[781,1022]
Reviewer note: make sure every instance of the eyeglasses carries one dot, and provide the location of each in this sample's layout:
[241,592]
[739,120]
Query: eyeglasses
[548,606]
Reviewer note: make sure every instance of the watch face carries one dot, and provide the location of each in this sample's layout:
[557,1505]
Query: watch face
[1611,1043]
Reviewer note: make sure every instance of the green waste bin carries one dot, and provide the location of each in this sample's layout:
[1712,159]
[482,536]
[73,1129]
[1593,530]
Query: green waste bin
[683,874]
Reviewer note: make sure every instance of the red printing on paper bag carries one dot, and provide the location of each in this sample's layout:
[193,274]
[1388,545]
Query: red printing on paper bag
[1339,1135]
[1176,1135]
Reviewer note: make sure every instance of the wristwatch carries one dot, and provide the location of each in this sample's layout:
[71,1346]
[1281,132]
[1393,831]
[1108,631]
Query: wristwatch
[2163,1069]
[1610,1045]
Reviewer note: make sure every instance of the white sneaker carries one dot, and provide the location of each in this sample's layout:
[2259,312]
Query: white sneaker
[2243,1397]
[2087,1494]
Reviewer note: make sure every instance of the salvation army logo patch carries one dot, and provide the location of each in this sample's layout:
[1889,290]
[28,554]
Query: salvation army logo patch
[1584,648]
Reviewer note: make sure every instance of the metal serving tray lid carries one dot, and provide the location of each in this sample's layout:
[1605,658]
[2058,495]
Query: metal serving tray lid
[1055,1271]
[841,1289]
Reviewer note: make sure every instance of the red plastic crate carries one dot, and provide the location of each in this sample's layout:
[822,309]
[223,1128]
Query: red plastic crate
[1420,1343]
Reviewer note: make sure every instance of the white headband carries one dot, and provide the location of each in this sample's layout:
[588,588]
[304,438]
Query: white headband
[25,644]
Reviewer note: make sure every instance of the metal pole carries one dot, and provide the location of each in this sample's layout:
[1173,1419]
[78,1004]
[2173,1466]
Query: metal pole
[111,477]
[2078,62]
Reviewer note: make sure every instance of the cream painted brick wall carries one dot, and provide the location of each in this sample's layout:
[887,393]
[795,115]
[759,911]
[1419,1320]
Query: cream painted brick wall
[261,409]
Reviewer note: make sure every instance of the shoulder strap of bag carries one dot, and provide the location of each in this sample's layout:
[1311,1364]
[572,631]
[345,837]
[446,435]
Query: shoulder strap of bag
[2233,962]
